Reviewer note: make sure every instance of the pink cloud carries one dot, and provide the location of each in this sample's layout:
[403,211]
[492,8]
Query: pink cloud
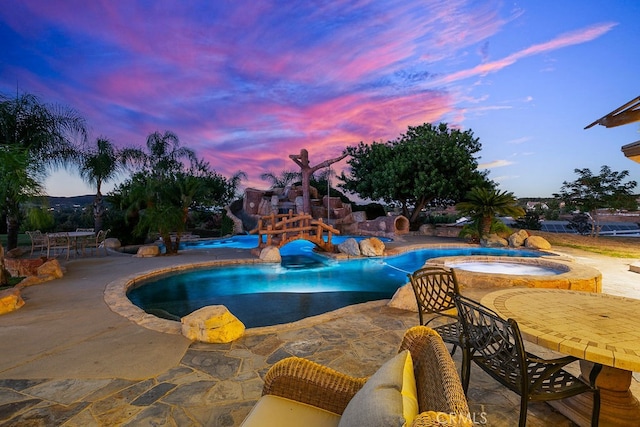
[564,40]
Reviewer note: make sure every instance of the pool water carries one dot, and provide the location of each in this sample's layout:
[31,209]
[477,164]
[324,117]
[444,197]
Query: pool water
[304,284]
[506,268]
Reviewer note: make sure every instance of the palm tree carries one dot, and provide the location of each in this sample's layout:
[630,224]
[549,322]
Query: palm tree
[285,178]
[165,155]
[484,204]
[44,136]
[99,165]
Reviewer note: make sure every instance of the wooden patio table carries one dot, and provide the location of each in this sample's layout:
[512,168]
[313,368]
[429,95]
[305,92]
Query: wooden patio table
[600,329]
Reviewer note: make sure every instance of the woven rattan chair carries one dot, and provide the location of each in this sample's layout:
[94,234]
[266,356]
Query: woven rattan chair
[496,346]
[434,288]
[441,399]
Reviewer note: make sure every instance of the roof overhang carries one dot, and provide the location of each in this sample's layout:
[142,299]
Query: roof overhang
[628,113]
[632,151]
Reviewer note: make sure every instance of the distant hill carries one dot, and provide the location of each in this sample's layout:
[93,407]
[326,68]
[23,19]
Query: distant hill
[71,201]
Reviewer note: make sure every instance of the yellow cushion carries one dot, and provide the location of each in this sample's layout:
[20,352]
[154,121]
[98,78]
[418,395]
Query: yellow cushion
[276,411]
[409,392]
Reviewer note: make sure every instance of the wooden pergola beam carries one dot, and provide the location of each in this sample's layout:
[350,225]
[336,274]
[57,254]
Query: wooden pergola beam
[627,113]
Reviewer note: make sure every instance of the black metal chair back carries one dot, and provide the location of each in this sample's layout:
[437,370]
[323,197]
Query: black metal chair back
[496,346]
[434,288]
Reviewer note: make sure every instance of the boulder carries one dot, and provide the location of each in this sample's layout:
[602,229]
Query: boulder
[19,267]
[270,254]
[112,243]
[350,247]
[10,300]
[537,242]
[212,324]
[147,251]
[372,247]
[494,241]
[517,239]
[404,299]
[51,270]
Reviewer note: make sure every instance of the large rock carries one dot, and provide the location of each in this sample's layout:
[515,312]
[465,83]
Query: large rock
[19,267]
[350,247]
[404,299]
[51,269]
[518,238]
[112,243]
[372,247]
[494,241]
[10,300]
[213,324]
[147,251]
[537,242]
[48,271]
[270,254]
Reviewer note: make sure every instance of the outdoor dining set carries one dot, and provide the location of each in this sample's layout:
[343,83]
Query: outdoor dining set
[83,241]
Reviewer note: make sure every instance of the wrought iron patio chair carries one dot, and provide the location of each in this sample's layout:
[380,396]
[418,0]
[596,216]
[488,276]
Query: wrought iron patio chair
[38,241]
[434,288]
[496,346]
[58,242]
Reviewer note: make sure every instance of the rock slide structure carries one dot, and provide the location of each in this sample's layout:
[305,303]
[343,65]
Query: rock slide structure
[260,203]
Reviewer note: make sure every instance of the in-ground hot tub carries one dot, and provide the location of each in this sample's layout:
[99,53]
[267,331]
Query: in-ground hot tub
[516,271]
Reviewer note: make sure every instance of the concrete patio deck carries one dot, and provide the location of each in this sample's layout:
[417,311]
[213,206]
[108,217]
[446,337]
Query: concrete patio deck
[68,360]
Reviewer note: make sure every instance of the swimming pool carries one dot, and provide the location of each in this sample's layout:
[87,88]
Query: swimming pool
[304,284]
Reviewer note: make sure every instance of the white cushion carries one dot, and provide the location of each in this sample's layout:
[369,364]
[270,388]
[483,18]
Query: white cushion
[276,411]
[380,402]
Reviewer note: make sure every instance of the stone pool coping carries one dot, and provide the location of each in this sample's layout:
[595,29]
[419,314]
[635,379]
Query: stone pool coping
[574,276]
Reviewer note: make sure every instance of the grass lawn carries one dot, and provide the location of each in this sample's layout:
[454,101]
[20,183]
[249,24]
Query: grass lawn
[617,247]
[23,240]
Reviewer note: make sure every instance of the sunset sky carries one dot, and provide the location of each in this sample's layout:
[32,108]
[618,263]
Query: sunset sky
[246,83]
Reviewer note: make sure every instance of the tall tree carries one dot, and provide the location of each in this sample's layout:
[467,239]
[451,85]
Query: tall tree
[46,136]
[101,164]
[427,165]
[484,204]
[603,191]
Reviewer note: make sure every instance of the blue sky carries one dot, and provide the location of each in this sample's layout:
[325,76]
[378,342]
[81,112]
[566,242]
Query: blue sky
[247,83]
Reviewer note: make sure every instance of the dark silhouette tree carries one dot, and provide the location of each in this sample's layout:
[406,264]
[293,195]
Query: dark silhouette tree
[603,191]
[47,136]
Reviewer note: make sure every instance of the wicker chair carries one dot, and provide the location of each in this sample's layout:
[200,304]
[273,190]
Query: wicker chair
[434,288]
[496,346]
[441,399]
